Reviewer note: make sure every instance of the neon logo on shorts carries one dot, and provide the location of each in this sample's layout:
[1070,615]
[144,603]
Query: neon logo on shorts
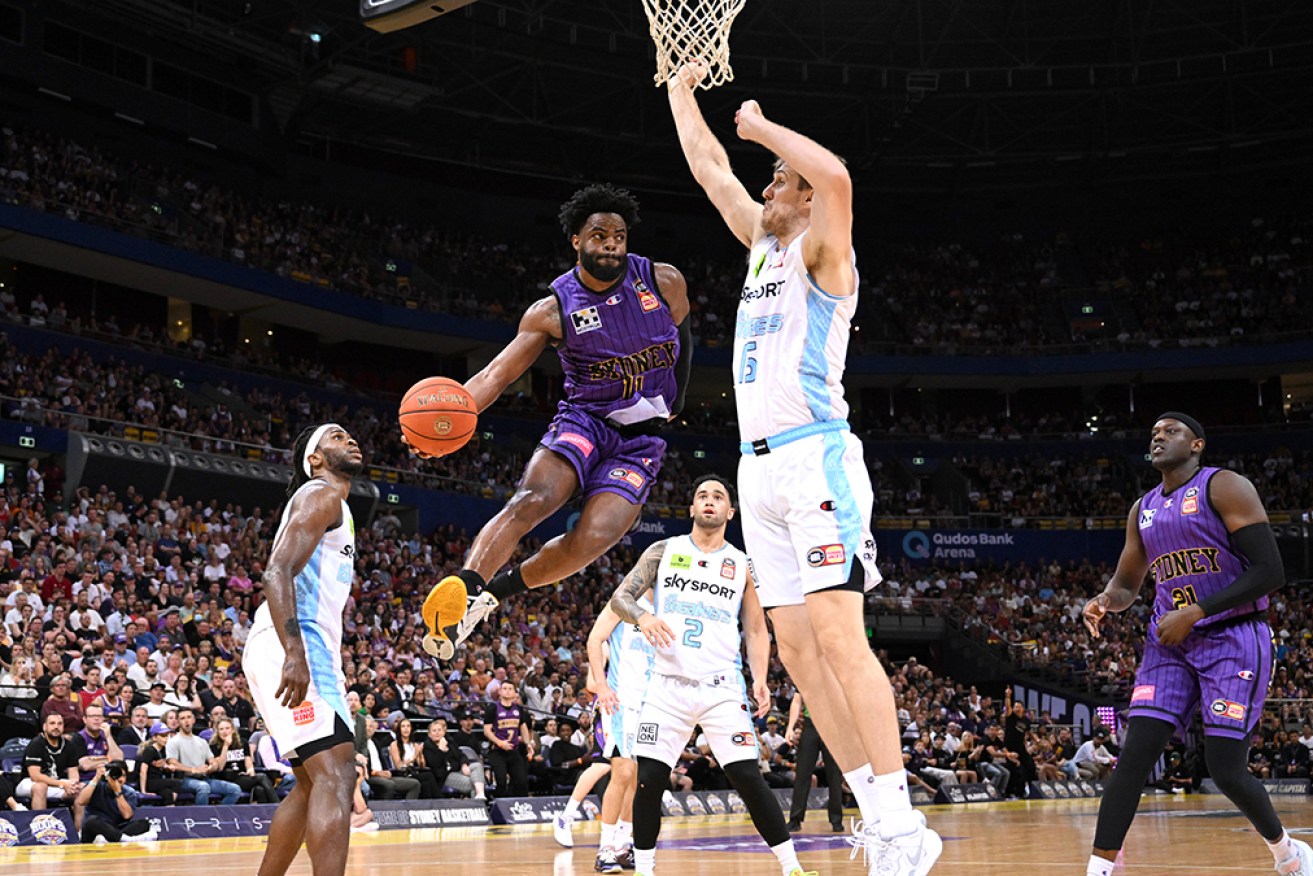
[647,734]
[1143,693]
[304,714]
[577,440]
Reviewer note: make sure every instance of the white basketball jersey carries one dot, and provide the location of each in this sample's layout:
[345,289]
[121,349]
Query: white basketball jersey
[698,595]
[322,589]
[630,661]
[790,343]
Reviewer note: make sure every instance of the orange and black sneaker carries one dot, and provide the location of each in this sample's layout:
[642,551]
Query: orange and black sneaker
[443,609]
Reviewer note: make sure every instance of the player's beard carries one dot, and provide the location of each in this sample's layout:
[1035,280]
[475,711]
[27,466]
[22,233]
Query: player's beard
[348,466]
[607,272]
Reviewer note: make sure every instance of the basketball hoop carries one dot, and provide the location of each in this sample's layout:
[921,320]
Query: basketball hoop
[692,30]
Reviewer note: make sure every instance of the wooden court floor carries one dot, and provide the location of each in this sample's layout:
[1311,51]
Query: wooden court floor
[1193,835]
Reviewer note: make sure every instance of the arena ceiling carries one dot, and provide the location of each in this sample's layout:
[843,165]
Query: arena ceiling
[917,94]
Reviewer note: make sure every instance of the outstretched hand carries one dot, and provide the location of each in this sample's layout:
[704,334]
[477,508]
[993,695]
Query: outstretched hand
[1094,612]
[415,450]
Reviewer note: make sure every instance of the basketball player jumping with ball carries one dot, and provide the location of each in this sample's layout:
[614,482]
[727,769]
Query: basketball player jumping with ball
[806,493]
[620,325]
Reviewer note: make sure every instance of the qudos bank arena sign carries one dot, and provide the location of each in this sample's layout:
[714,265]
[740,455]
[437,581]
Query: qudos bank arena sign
[1015,545]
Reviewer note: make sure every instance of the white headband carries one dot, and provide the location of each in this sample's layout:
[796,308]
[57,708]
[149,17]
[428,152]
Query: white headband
[313,444]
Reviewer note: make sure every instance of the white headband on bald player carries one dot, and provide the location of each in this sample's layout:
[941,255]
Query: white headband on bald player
[313,444]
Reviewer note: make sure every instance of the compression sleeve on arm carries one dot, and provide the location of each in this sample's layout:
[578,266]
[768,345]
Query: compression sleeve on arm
[684,365]
[1266,571]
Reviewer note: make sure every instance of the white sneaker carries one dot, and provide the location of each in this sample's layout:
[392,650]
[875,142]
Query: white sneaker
[1299,864]
[562,831]
[19,807]
[100,840]
[909,854]
[368,827]
[479,608]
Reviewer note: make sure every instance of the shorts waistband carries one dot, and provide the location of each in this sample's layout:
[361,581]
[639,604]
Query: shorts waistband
[762,446]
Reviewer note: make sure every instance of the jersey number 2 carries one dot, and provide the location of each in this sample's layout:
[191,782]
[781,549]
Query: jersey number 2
[692,633]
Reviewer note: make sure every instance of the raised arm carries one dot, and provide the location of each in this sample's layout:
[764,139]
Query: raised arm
[756,638]
[1126,582]
[708,159]
[827,248]
[640,579]
[312,513]
[540,325]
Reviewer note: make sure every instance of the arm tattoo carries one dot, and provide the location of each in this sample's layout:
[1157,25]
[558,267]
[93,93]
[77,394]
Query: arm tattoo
[639,580]
[292,627]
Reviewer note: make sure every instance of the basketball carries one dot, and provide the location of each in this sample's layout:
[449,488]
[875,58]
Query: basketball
[437,416]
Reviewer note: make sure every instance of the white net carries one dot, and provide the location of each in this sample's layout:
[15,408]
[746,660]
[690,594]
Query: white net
[692,30]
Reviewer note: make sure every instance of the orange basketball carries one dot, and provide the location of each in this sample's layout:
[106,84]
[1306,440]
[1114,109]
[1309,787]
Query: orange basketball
[438,416]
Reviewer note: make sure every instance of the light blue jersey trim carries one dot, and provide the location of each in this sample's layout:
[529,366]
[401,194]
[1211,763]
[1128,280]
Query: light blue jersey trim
[846,512]
[318,654]
[797,433]
[814,368]
[817,287]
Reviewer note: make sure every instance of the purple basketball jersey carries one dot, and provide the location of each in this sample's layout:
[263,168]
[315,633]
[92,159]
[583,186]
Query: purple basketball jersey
[620,347]
[1189,549]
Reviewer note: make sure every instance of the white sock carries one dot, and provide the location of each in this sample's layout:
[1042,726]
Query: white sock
[1099,866]
[608,836]
[894,804]
[862,783]
[624,833]
[571,807]
[787,857]
[645,861]
[1283,849]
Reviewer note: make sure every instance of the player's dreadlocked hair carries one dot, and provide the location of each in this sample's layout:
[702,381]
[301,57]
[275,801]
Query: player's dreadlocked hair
[299,476]
[597,198]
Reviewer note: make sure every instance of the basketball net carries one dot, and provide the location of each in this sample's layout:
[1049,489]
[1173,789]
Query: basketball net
[692,30]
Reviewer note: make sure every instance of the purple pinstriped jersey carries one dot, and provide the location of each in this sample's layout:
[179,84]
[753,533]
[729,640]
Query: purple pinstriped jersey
[620,346]
[1189,548]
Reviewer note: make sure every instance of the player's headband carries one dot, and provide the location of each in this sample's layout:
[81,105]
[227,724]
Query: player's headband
[1188,420]
[313,444]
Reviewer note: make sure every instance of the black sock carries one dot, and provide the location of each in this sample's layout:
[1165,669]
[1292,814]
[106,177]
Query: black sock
[474,583]
[505,584]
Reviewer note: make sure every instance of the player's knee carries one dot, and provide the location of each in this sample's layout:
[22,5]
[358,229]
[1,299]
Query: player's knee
[652,776]
[529,504]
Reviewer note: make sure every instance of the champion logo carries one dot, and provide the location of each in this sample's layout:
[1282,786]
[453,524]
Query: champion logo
[614,300]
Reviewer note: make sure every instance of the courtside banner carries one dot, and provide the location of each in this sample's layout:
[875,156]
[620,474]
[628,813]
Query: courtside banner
[209,822]
[405,814]
[535,810]
[1065,790]
[51,827]
[967,793]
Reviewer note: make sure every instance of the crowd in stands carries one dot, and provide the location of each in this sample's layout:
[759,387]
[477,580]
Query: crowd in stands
[108,396]
[126,615]
[1174,289]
